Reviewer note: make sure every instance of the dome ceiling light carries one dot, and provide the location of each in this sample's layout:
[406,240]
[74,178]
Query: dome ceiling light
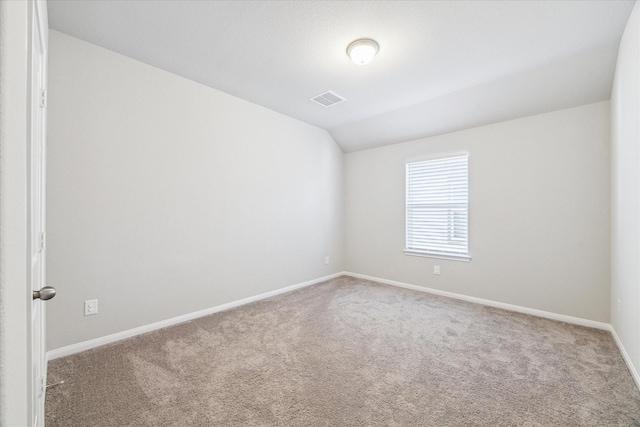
[362,51]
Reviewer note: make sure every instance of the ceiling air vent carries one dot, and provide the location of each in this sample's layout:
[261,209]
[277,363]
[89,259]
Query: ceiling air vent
[328,99]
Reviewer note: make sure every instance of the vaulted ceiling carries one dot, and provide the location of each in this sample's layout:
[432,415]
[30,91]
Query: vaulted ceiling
[442,65]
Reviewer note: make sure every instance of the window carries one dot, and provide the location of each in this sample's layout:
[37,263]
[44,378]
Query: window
[437,208]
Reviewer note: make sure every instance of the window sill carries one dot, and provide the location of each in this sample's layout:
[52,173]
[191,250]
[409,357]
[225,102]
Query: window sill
[461,258]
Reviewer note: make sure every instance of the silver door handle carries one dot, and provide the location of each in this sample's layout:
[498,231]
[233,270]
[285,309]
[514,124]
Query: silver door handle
[45,293]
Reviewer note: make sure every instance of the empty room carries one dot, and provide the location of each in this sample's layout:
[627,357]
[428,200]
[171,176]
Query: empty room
[319,213]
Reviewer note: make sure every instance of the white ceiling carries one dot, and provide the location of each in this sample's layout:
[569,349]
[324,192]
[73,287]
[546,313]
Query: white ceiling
[442,65]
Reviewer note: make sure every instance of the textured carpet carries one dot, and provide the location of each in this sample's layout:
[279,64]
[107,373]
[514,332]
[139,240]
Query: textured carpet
[351,353]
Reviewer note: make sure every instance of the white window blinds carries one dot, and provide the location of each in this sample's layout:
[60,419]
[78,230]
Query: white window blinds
[437,207]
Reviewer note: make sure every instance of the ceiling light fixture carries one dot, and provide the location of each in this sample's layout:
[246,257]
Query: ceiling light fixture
[362,51]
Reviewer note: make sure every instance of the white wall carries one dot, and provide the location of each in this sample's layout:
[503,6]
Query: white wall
[166,197]
[539,213]
[625,192]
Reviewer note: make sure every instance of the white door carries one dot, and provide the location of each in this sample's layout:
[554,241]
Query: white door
[36,211]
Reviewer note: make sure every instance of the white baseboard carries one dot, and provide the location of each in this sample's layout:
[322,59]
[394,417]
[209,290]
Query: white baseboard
[505,306]
[97,342]
[519,309]
[625,356]
[107,339]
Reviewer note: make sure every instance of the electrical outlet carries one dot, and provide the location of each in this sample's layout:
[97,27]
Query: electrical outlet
[436,269]
[91,307]
[326,260]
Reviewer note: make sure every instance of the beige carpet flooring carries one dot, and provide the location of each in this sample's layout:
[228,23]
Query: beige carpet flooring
[351,353]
